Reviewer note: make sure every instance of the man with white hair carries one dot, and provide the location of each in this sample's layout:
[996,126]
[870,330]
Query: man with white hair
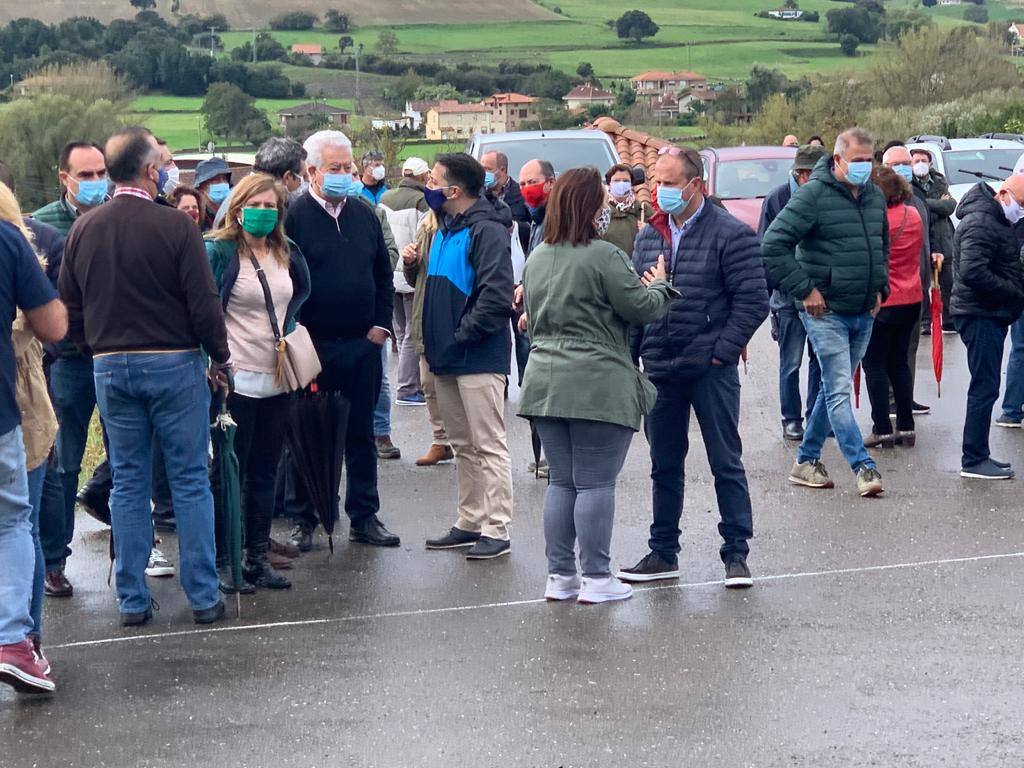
[348,315]
[828,249]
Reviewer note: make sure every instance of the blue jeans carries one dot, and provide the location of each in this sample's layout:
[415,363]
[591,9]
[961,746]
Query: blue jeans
[1013,398]
[74,398]
[792,340]
[17,552]
[163,395]
[382,411]
[715,399]
[36,477]
[839,341]
[984,338]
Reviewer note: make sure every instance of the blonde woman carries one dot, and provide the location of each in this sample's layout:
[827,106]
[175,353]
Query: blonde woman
[22,286]
[249,247]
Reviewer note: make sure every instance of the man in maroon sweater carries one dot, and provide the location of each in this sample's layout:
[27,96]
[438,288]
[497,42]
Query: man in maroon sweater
[141,299]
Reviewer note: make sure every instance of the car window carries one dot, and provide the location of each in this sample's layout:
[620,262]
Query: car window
[563,154]
[745,179]
[974,165]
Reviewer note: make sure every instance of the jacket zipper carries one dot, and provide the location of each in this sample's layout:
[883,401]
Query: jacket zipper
[871,255]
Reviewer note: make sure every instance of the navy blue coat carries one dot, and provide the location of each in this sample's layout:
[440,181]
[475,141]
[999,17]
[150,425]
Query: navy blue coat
[723,296]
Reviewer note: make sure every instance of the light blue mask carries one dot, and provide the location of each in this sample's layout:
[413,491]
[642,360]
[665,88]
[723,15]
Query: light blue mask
[489,180]
[356,189]
[671,200]
[337,184]
[858,173]
[218,192]
[91,193]
[794,185]
[906,171]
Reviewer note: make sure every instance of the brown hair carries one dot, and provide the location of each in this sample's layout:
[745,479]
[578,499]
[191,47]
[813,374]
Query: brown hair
[893,186]
[174,198]
[576,197]
[252,185]
[618,168]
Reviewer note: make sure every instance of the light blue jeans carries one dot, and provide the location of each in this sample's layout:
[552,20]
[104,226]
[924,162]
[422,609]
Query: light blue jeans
[382,412]
[839,341]
[165,395]
[36,477]
[17,552]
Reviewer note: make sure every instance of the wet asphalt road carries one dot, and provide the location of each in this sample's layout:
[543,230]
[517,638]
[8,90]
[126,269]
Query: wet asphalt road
[879,632]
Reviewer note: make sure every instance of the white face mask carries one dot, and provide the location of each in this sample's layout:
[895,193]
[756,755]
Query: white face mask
[1012,210]
[921,169]
[378,173]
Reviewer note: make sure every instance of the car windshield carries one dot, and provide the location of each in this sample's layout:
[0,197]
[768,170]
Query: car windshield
[563,154]
[963,166]
[746,179]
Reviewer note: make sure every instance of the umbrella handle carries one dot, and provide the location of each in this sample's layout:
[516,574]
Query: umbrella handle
[935,275]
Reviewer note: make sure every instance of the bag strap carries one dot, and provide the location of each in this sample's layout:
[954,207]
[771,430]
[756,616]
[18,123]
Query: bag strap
[262,277]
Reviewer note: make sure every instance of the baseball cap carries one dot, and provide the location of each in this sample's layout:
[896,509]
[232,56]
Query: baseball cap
[415,166]
[807,157]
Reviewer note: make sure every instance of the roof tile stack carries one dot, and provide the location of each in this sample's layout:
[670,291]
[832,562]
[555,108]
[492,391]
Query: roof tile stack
[634,148]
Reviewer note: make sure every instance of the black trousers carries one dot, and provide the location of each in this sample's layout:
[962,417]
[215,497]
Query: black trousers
[984,338]
[351,367]
[99,486]
[258,442]
[885,362]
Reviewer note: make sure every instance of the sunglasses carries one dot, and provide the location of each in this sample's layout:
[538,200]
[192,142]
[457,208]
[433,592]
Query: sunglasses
[688,154]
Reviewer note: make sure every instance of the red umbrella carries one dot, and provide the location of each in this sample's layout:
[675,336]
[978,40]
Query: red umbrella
[936,304]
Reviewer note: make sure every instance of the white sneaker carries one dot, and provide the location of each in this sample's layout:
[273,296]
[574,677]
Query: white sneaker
[604,590]
[159,566]
[562,587]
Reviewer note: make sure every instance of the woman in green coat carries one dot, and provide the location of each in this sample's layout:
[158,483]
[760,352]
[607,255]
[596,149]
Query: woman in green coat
[627,213]
[581,388]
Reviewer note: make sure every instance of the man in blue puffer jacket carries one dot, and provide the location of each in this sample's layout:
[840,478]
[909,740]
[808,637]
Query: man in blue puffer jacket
[691,355]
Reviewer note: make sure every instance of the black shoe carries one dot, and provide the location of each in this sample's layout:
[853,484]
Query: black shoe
[209,615]
[1000,464]
[987,470]
[136,619]
[302,537]
[454,539]
[165,523]
[651,568]
[737,575]
[257,571]
[920,410]
[97,508]
[793,430]
[227,582]
[926,330]
[372,531]
[487,548]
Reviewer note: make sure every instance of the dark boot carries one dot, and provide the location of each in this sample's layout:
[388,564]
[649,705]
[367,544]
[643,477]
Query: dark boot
[257,571]
[227,581]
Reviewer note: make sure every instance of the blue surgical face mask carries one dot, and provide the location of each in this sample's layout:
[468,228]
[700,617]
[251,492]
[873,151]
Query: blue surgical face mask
[217,192]
[337,184]
[357,188]
[489,180]
[620,188]
[858,172]
[671,200]
[161,179]
[905,171]
[91,193]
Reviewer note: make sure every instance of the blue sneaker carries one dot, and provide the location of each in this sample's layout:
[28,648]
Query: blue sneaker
[413,399]
[1010,421]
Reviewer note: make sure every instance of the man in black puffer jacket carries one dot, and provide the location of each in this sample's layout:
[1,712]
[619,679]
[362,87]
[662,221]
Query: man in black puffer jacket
[691,355]
[988,295]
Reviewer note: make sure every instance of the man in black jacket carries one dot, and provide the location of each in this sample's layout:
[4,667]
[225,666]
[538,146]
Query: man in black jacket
[506,189]
[692,355]
[348,314]
[932,187]
[988,295]
[467,343]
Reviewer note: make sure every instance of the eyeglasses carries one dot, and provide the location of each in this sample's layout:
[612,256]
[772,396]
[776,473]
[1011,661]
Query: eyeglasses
[691,156]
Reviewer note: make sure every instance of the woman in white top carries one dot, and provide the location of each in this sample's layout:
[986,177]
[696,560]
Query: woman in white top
[251,242]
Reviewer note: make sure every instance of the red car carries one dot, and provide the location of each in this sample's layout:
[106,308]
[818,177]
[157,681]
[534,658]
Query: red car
[741,177]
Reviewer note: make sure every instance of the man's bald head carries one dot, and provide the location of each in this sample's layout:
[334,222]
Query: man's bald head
[896,156]
[791,141]
[1012,187]
[131,154]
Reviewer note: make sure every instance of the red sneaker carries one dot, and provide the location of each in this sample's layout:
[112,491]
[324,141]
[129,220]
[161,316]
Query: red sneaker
[21,669]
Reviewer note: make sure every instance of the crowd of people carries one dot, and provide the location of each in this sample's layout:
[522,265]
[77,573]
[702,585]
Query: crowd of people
[163,304]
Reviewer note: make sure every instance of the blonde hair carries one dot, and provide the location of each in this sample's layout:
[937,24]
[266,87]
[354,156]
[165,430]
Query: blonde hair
[10,211]
[247,188]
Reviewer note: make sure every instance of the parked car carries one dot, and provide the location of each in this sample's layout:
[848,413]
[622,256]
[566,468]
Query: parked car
[563,149]
[741,177]
[965,162]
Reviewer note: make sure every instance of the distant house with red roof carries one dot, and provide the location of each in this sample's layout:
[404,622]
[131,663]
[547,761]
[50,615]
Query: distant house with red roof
[585,96]
[313,52]
[658,83]
[510,110]
[449,120]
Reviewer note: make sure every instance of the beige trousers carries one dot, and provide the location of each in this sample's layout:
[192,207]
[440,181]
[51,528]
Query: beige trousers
[433,412]
[473,408]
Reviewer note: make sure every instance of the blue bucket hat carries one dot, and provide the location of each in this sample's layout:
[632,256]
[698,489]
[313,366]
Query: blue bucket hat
[209,169]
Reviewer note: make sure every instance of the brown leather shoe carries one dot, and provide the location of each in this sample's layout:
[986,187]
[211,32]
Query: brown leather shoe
[284,548]
[386,449]
[436,455]
[57,585]
[279,562]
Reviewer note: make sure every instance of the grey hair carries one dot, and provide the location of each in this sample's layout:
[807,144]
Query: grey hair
[278,156]
[315,144]
[855,135]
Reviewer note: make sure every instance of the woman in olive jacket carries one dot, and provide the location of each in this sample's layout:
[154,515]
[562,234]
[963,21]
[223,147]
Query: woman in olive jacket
[581,388]
[627,213]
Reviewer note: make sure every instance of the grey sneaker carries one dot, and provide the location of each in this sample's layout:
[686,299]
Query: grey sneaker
[158,565]
[811,474]
[869,482]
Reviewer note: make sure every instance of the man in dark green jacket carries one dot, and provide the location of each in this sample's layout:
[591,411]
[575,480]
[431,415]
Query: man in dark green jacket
[828,249]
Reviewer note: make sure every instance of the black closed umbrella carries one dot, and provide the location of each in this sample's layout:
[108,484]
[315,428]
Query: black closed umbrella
[316,439]
[229,489]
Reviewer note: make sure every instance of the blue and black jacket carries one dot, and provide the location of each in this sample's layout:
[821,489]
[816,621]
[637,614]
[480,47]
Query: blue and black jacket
[468,299]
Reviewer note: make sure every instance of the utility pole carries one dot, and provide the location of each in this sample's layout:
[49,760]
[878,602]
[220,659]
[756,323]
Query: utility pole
[213,31]
[358,49]
[254,45]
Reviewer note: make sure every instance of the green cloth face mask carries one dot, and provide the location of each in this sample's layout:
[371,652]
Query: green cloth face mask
[259,222]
